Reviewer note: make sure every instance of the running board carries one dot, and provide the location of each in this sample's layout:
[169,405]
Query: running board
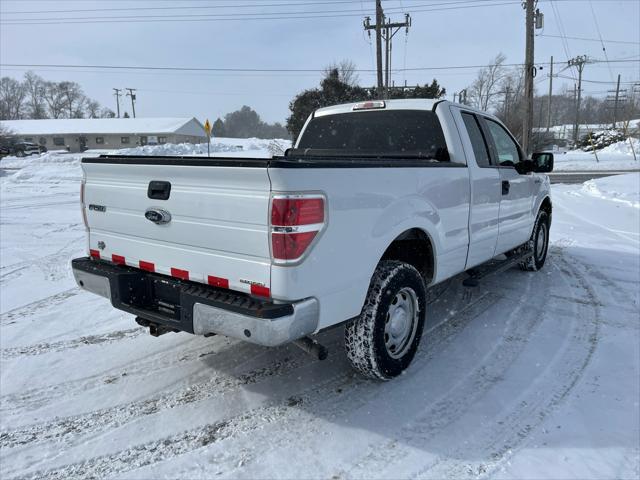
[492,267]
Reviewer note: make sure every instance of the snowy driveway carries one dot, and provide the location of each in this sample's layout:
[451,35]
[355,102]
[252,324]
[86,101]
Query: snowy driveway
[528,375]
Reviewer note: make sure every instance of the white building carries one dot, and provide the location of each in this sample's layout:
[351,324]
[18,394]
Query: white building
[77,135]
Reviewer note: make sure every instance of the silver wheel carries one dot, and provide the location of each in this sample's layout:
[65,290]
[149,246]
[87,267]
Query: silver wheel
[401,323]
[541,241]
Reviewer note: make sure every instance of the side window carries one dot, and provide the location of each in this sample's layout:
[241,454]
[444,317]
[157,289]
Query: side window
[100,140]
[507,151]
[477,140]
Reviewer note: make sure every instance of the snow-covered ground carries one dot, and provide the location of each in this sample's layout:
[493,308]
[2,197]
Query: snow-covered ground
[529,375]
[618,156]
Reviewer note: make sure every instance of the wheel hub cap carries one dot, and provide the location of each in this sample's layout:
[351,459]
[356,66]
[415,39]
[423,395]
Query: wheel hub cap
[401,322]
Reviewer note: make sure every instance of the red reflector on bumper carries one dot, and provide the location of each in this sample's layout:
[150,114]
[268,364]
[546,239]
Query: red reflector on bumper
[148,266]
[217,282]
[182,274]
[118,259]
[94,253]
[260,291]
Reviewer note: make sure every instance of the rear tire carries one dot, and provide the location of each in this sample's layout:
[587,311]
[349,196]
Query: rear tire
[383,340]
[20,154]
[540,241]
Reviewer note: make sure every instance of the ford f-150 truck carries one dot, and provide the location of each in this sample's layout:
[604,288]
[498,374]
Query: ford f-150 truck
[377,202]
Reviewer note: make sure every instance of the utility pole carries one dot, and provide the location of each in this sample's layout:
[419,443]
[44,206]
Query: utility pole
[385,30]
[118,95]
[378,28]
[578,62]
[615,104]
[550,94]
[527,123]
[132,93]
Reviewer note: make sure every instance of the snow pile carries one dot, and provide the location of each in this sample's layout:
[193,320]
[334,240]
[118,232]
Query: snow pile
[599,139]
[625,147]
[617,156]
[619,188]
[45,168]
[219,147]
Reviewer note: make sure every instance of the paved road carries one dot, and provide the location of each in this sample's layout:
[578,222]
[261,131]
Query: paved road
[580,177]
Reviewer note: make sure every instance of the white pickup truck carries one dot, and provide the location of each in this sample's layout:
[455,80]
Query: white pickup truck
[377,202]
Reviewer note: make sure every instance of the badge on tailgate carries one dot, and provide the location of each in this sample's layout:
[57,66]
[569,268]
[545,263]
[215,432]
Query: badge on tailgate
[157,216]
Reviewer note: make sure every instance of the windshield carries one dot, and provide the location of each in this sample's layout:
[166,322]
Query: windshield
[384,133]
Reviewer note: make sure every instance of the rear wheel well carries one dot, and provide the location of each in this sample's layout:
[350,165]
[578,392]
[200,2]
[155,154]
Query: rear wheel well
[413,247]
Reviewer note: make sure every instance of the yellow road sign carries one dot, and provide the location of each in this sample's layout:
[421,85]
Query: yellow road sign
[207,127]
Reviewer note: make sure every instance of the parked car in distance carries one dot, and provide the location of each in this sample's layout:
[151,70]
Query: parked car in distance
[377,202]
[21,149]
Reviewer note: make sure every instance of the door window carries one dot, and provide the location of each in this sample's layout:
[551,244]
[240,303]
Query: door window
[507,151]
[478,143]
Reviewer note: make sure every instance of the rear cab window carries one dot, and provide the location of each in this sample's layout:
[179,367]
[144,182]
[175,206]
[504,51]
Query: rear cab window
[383,134]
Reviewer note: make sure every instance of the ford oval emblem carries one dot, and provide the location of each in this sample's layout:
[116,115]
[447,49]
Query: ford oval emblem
[157,216]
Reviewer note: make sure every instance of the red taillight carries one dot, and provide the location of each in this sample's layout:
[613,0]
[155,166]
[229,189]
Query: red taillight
[286,212]
[296,220]
[289,246]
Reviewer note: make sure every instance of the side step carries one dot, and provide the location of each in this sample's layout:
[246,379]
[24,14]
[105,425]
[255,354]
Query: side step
[492,267]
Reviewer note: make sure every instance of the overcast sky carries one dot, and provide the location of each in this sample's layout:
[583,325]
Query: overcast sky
[467,33]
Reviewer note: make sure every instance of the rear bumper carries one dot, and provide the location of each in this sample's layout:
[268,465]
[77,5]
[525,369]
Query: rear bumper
[195,308]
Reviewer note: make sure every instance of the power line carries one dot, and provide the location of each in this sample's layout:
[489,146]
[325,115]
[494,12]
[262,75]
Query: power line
[584,39]
[276,70]
[604,50]
[208,7]
[461,4]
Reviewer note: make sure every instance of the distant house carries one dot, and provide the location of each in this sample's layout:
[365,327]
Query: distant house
[78,135]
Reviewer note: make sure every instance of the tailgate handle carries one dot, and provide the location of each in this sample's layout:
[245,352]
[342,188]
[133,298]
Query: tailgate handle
[159,190]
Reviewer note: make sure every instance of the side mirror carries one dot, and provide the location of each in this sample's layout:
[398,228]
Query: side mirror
[543,162]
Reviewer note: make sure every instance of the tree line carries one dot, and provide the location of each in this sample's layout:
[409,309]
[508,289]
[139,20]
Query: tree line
[36,98]
[500,90]
[246,123]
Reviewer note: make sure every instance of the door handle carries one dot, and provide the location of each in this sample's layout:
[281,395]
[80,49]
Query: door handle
[159,190]
[505,187]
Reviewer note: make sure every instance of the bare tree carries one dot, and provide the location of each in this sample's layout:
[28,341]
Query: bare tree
[346,72]
[93,109]
[12,95]
[54,98]
[34,90]
[73,98]
[486,86]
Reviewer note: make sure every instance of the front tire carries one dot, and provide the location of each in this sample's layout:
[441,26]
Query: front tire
[383,340]
[540,241]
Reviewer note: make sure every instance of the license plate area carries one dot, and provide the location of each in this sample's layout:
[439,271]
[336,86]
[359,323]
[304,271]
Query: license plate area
[151,293]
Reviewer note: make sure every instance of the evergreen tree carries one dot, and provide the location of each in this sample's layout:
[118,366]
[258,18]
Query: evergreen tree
[217,128]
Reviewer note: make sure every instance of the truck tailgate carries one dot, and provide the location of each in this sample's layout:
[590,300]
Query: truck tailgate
[218,228]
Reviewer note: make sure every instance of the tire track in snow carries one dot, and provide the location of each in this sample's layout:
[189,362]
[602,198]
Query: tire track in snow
[152,365]
[14,314]
[47,263]
[496,442]
[46,347]
[60,429]
[454,402]
[191,440]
